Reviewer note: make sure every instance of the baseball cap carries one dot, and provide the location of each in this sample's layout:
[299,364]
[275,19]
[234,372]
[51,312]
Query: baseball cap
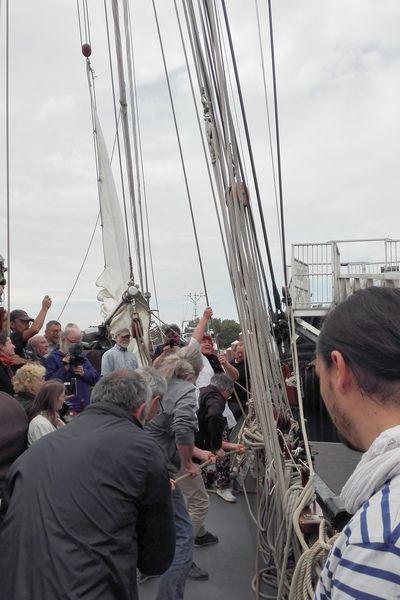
[123,331]
[20,314]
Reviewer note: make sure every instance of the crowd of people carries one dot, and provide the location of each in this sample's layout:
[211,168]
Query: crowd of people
[118,491]
[47,381]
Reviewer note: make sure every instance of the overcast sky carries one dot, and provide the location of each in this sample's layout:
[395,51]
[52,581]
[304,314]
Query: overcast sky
[338,73]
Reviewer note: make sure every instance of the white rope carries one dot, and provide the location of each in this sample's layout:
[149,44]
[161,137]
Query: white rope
[139,139]
[178,138]
[130,68]
[8,215]
[283,496]
[125,131]
[268,119]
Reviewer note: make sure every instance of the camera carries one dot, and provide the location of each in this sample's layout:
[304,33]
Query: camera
[75,355]
[70,387]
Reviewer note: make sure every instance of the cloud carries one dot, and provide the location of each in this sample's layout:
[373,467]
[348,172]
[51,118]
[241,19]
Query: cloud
[338,90]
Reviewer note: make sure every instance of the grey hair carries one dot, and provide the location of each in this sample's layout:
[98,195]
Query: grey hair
[70,327]
[127,389]
[51,323]
[222,382]
[156,382]
[185,364]
[64,334]
[33,340]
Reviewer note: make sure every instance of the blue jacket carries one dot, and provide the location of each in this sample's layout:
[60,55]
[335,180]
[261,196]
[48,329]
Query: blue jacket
[55,369]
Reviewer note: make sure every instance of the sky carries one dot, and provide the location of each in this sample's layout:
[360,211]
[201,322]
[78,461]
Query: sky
[338,78]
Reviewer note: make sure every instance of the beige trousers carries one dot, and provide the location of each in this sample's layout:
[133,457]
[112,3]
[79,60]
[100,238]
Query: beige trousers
[197,501]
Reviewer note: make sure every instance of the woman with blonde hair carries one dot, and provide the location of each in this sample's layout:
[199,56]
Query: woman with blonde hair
[27,382]
[184,364]
[44,416]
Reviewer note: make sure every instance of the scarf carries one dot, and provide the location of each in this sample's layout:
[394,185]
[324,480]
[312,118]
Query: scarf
[6,360]
[380,463]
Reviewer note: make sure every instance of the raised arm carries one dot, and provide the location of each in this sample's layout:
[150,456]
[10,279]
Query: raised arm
[198,332]
[38,322]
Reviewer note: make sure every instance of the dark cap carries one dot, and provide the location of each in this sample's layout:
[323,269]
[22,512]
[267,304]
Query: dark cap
[20,314]
[172,328]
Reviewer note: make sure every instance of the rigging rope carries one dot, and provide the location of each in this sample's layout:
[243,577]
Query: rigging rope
[8,215]
[268,120]
[275,433]
[132,82]
[210,100]
[181,153]
[136,108]
[81,267]
[201,133]
[250,151]
[125,131]
[278,145]
[92,94]
[118,142]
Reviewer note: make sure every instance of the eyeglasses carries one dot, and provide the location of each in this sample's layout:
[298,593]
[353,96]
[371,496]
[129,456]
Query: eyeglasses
[126,337]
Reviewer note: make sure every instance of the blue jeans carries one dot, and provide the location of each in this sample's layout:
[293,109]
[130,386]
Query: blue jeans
[172,582]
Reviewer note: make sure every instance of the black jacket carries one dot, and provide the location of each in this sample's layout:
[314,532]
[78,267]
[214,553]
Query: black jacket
[85,506]
[13,431]
[5,379]
[26,400]
[211,420]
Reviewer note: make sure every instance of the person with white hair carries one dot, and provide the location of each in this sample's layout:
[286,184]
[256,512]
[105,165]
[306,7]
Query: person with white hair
[119,357]
[37,348]
[71,366]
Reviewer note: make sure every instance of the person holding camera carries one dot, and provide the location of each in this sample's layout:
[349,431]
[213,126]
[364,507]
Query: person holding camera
[71,366]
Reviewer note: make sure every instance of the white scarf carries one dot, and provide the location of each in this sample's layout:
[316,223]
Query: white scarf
[380,463]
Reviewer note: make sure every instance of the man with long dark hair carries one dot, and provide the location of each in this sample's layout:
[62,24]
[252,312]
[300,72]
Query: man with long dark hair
[358,362]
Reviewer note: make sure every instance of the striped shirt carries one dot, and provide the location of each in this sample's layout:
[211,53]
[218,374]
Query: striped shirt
[364,562]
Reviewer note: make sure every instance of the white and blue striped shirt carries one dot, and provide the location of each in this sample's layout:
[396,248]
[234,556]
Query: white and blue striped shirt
[364,562]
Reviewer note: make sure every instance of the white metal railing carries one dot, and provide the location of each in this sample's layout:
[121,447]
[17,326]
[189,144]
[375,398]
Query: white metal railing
[319,278]
[313,269]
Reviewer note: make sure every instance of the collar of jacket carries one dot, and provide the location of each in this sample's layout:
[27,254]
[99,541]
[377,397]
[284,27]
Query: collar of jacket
[110,408]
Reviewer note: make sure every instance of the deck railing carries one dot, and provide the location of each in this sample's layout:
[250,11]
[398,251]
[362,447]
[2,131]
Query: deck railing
[319,278]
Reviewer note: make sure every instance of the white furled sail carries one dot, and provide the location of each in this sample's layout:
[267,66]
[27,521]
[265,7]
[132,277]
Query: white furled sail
[115,278]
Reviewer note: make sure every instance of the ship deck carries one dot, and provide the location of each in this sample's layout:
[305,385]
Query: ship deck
[231,562]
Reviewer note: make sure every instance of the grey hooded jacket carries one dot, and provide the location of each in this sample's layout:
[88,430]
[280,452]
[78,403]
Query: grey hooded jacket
[176,423]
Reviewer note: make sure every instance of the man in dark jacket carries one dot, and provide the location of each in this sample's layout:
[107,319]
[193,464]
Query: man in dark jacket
[70,365]
[213,432]
[212,403]
[13,432]
[88,504]
[238,401]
